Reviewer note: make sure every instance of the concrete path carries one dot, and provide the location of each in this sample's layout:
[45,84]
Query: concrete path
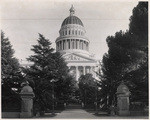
[75,112]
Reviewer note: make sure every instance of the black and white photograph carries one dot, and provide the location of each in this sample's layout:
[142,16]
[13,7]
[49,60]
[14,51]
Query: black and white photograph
[74,59]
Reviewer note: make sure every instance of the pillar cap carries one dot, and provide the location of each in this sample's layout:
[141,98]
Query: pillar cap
[122,89]
[27,89]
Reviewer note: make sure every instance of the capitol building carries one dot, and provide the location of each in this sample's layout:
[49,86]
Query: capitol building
[73,44]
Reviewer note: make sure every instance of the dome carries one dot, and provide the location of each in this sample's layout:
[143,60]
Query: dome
[72,20]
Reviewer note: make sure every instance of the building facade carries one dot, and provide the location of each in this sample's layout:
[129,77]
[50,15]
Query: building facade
[73,44]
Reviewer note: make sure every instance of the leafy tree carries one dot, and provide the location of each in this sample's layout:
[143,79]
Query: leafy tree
[127,59]
[47,65]
[88,87]
[11,74]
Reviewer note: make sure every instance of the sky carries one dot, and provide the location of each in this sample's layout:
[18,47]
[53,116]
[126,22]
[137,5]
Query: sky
[22,20]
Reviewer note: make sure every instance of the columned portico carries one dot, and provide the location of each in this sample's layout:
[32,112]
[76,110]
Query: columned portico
[81,70]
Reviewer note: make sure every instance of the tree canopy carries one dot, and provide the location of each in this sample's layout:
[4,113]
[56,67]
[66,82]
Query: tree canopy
[11,74]
[127,58]
[48,65]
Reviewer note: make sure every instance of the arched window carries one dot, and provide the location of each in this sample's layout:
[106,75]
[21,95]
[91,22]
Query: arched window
[69,32]
[73,32]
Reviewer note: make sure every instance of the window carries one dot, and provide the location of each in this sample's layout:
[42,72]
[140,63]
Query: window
[69,32]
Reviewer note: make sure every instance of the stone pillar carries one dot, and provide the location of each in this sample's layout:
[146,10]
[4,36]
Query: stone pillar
[83,70]
[27,101]
[123,100]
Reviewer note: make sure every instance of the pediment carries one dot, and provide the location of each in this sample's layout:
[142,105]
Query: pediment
[75,57]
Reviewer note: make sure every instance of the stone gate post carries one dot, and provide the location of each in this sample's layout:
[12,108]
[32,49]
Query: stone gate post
[27,101]
[123,100]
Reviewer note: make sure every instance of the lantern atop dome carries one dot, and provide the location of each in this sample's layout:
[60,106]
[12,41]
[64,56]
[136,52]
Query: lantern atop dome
[72,10]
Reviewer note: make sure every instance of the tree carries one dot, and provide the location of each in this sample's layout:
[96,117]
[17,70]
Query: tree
[88,87]
[11,74]
[127,59]
[47,65]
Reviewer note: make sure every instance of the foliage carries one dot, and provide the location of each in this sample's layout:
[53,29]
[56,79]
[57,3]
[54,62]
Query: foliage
[10,74]
[88,87]
[127,59]
[48,65]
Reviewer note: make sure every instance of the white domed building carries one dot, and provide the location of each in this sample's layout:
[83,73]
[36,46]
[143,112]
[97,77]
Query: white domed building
[74,45]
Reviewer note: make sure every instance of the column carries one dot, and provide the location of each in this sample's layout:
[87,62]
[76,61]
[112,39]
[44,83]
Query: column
[77,73]
[77,44]
[59,45]
[94,74]
[83,70]
[83,45]
[74,44]
[90,70]
[65,44]
[70,44]
[86,46]
[62,45]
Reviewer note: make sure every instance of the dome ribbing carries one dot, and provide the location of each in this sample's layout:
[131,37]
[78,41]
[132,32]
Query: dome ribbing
[72,20]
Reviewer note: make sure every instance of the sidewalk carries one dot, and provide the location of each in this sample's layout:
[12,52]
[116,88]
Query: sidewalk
[81,114]
[78,113]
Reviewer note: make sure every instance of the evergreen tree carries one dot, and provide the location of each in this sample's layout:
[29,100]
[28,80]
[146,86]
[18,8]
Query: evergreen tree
[127,59]
[47,65]
[10,65]
[10,74]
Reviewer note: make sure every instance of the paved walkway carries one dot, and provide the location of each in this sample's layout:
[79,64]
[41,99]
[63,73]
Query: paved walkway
[75,112]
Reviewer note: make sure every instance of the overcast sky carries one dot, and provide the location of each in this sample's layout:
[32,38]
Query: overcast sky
[22,20]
